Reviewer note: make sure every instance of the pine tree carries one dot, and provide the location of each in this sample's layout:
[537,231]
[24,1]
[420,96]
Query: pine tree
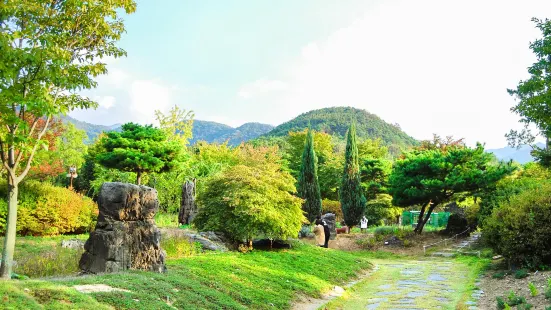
[308,186]
[351,197]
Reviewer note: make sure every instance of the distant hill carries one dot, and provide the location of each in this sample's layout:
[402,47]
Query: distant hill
[92,130]
[521,155]
[202,131]
[220,133]
[336,121]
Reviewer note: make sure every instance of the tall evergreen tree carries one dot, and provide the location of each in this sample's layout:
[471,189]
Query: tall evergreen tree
[308,186]
[351,197]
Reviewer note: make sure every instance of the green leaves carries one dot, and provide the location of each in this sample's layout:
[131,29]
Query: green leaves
[140,149]
[250,199]
[308,186]
[351,196]
[533,94]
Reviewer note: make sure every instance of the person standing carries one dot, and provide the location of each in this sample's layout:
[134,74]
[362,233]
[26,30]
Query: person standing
[320,233]
[363,223]
[326,231]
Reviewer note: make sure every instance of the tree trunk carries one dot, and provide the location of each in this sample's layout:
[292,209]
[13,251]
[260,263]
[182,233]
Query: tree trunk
[419,226]
[429,212]
[139,177]
[9,240]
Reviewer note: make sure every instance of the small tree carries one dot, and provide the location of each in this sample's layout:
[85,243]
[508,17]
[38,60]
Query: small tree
[49,50]
[249,199]
[139,149]
[432,177]
[308,186]
[351,197]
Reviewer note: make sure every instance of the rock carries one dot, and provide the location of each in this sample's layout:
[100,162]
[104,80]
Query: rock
[188,209]
[72,244]
[209,240]
[125,236]
[329,218]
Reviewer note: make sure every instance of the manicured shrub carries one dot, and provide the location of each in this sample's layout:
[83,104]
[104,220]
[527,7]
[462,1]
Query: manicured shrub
[499,275]
[520,231]
[45,209]
[179,246]
[521,274]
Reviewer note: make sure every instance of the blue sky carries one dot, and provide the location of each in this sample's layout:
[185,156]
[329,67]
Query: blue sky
[432,66]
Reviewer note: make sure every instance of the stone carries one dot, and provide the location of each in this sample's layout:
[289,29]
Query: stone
[188,208]
[330,219]
[125,236]
[209,240]
[76,244]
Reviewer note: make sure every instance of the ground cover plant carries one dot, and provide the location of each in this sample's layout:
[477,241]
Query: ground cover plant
[256,280]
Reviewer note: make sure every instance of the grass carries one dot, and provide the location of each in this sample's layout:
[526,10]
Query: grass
[44,257]
[257,280]
[166,220]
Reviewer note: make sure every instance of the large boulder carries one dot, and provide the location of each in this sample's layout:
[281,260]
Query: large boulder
[125,236]
[188,209]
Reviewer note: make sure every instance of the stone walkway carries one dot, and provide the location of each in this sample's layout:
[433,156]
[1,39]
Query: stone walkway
[408,284]
[461,247]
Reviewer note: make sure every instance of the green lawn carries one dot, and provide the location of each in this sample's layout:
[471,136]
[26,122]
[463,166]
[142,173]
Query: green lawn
[256,280]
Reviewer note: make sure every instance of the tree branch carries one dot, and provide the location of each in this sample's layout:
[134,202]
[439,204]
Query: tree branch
[33,127]
[31,155]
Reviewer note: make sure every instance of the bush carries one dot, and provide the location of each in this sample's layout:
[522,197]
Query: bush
[521,274]
[520,230]
[243,202]
[499,275]
[381,210]
[45,209]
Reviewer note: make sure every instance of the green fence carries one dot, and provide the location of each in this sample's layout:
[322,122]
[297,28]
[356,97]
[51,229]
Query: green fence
[439,219]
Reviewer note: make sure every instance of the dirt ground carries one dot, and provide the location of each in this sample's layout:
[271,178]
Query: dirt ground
[347,242]
[500,288]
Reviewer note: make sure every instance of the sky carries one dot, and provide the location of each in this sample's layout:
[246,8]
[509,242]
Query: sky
[431,66]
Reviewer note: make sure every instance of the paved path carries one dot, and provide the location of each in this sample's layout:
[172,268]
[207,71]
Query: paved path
[408,284]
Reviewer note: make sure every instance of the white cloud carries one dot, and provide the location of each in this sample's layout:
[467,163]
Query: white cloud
[260,87]
[116,77]
[146,96]
[105,102]
[431,66]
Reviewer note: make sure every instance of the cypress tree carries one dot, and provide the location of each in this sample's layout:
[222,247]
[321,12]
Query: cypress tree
[351,196]
[308,186]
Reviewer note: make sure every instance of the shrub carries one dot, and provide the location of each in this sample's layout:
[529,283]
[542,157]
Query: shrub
[367,243]
[381,210]
[499,275]
[521,274]
[533,290]
[500,303]
[513,299]
[246,201]
[45,209]
[520,231]
[166,220]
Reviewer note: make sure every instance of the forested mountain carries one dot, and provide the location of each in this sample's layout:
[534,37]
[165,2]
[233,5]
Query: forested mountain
[216,132]
[92,130]
[335,121]
[521,155]
[202,130]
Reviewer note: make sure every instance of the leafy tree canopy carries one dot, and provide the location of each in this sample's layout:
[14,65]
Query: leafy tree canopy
[140,149]
[434,176]
[50,50]
[534,103]
[251,198]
